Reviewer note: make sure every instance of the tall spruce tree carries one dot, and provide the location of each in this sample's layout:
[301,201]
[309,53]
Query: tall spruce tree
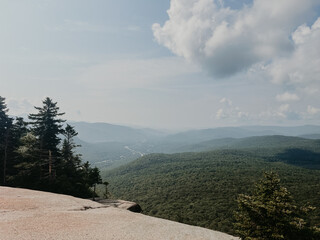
[5,128]
[28,167]
[17,131]
[72,175]
[270,214]
[46,126]
[94,179]
[68,148]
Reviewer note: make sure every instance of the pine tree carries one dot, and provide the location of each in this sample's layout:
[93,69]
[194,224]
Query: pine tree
[33,158]
[5,128]
[17,131]
[270,214]
[28,169]
[46,127]
[68,148]
[72,176]
[94,179]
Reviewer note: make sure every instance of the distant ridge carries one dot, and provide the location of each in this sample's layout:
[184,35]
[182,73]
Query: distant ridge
[273,141]
[105,132]
[194,136]
[107,145]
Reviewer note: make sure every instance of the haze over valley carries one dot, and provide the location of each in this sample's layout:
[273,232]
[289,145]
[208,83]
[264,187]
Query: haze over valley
[108,146]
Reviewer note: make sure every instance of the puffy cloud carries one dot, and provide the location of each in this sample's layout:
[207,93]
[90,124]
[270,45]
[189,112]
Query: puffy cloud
[303,65]
[287,97]
[281,112]
[283,108]
[225,41]
[228,111]
[226,101]
[220,114]
[313,110]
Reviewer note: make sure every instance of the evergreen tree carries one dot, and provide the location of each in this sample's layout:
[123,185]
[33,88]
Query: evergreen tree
[5,128]
[68,155]
[21,127]
[18,130]
[270,214]
[28,169]
[33,158]
[72,175]
[46,127]
[94,179]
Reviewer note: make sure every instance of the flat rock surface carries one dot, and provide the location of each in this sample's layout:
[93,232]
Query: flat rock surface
[31,215]
[131,206]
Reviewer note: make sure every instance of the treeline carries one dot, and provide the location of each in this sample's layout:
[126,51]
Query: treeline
[201,188]
[41,153]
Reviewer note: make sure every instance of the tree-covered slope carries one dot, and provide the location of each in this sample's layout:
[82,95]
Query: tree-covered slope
[272,141]
[196,136]
[201,188]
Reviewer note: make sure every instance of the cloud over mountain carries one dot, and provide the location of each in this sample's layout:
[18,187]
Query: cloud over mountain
[226,41]
[287,97]
[302,66]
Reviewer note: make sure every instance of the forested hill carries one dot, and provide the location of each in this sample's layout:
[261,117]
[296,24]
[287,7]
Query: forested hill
[196,136]
[113,154]
[274,141]
[201,188]
[108,145]
[105,132]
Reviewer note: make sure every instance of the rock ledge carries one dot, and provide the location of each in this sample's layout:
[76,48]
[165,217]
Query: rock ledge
[29,215]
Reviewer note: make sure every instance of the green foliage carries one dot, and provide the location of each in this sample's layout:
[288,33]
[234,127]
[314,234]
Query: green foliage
[201,188]
[5,128]
[270,214]
[34,158]
[94,176]
[47,126]
[292,150]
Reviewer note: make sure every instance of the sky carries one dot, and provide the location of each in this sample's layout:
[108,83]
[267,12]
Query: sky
[171,64]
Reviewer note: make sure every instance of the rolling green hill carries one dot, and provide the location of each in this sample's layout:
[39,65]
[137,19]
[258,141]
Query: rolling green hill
[113,154]
[196,136]
[273,141]
[108,145]
[201,188]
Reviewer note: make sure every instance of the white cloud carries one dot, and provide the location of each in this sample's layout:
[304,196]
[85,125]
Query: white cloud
[220,114]
[226,41]
[275,114]
[227,101]
[313,110]
[228,111]
[287,97]
[302,67]
[283,108]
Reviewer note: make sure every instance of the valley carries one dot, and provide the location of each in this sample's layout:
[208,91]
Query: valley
[195,177]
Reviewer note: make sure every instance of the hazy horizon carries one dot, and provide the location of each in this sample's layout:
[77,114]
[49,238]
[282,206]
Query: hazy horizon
[173,64]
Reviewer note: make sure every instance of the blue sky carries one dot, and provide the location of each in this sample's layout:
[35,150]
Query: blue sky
[164,64]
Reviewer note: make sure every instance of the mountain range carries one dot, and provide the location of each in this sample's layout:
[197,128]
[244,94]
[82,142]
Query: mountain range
[107,145]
